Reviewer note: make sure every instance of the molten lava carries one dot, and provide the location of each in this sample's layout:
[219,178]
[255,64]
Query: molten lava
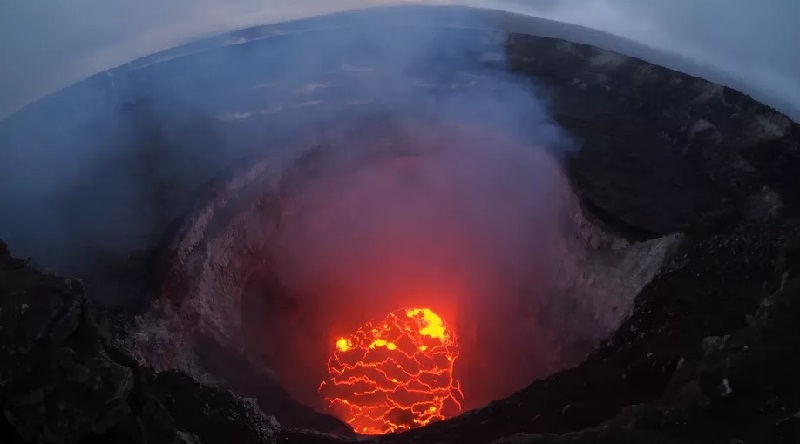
[394,374]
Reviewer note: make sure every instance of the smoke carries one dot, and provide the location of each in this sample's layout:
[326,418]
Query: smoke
[63,167]
[53,43]
[92,177]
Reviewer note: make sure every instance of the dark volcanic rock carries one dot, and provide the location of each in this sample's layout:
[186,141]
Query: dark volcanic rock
[660,359]
[58,383]
[250,380]
[63,383]
[718,363]
[213,413]
[659,149]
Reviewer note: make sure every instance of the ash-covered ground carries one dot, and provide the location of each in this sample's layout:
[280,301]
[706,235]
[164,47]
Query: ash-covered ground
[681,198]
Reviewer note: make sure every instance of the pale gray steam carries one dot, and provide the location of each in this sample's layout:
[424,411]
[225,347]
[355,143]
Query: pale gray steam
[48,44]
[92,183]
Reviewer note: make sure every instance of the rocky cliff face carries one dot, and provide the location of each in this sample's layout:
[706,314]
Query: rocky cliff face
[63,382]
[709,355]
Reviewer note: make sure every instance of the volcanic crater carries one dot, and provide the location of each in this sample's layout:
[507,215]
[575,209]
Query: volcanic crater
[390,216]
[376,221]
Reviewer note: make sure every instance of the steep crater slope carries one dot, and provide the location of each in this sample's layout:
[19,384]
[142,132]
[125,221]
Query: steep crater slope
[345,216]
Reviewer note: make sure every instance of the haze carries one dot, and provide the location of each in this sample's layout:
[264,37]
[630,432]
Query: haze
[48,44]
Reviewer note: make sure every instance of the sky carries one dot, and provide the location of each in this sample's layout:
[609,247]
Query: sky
[48,44]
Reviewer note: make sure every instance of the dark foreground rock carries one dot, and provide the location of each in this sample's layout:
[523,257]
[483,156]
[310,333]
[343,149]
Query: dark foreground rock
[710,354]
[62,382]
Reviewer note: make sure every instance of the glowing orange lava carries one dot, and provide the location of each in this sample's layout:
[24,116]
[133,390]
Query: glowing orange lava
[394,374]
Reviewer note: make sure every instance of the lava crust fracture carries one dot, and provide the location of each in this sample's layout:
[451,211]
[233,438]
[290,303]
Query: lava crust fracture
[395,374]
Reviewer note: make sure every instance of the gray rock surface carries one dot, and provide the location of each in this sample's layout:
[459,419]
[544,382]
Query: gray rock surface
[63,382]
